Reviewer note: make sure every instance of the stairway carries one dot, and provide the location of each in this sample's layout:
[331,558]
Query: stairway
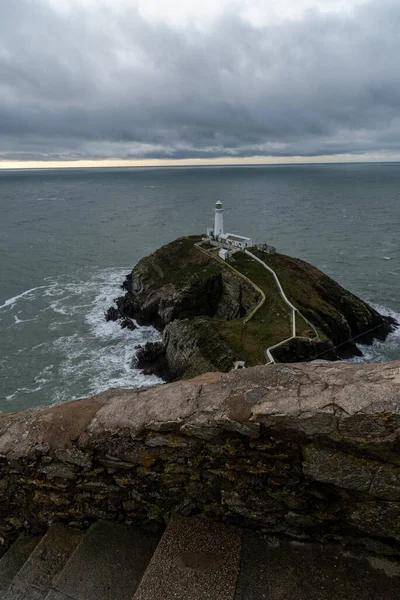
[193,560]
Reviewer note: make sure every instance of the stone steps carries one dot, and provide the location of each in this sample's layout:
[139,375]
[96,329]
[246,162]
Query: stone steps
[17,555]
[36,576]
[107,565]
[194,560]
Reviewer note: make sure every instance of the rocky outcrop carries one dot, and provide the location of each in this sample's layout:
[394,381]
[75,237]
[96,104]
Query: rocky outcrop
[188,347]
[301,349]
[337,313]
[179,282]
[189,296]
[306,452]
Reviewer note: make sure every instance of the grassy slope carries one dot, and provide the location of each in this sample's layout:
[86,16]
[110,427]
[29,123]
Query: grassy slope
[272,322]
[313,292]
[177,263]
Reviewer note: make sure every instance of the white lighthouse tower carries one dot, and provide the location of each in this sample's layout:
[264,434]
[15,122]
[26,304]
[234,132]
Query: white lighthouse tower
[219,219]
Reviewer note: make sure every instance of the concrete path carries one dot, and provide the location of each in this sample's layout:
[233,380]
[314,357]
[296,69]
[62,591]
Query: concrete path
[239,274]
[293,309]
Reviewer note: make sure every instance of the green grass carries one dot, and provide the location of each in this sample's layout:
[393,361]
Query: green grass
[306,287]
[271,323]
[178,263]
[181,263]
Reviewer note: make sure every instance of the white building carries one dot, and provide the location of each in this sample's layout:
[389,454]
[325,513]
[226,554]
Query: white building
[230,240]
[224,253]
[235,241]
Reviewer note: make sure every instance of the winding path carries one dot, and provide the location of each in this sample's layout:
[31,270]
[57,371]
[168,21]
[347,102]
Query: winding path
[251,283]
[291,306]
[294,310]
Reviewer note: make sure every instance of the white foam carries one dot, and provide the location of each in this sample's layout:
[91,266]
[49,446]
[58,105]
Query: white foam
[24,390]
[18,321]
[380,351]
[58,308]
[100,355]
[11,301]
[90,355]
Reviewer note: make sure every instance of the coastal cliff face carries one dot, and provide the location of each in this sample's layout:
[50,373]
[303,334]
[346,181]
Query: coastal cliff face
[188,347]
[305,452]
[199,303]
[179,282]
[338,313]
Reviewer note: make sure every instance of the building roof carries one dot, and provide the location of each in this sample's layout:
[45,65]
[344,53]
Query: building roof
[234,236]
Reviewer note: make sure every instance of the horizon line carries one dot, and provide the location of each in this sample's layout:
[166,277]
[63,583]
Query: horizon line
[201,162]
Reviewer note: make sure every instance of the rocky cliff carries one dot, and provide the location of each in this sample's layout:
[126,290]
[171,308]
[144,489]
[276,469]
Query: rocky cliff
[179,282]
[200,304]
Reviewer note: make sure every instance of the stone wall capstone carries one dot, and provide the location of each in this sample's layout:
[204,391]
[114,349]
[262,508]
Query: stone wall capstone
[307,452]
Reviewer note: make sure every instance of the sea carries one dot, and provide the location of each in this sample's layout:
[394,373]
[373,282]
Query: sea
[68,237]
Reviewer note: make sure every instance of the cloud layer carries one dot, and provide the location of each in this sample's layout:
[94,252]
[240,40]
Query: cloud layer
[103,81]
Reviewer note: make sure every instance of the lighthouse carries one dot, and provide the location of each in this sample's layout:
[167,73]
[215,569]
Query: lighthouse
[219,219]
[226,241]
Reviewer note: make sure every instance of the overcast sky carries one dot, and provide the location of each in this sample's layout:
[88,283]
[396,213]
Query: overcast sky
[199,80]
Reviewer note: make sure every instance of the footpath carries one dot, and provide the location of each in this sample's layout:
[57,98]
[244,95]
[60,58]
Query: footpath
[294,311]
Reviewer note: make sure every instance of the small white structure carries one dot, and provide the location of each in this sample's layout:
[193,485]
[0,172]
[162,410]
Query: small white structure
[224,253]
[239,364]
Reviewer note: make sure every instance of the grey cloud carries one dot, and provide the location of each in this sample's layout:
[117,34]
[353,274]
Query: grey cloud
[108,84]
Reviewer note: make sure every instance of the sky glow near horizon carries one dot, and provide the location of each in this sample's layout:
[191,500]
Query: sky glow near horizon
[131,82]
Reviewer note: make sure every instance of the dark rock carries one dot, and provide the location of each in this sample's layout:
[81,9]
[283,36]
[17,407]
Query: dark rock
[126,284]
[298,350]
[377,518]
[112,314]
[194,346]
[187,345]
[128,324]
[152,360]
[126,306]
[178,282]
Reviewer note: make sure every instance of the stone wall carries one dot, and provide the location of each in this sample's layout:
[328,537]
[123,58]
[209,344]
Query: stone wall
[300,451]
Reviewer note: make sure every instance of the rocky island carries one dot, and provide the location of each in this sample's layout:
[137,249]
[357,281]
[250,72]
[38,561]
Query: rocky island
[213,313]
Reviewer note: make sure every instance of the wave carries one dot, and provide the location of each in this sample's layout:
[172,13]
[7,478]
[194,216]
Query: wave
[380,351]
[11,301]
[73,352]
[68,350]
[18,321]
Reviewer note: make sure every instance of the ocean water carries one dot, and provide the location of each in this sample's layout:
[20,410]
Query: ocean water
[68,237]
